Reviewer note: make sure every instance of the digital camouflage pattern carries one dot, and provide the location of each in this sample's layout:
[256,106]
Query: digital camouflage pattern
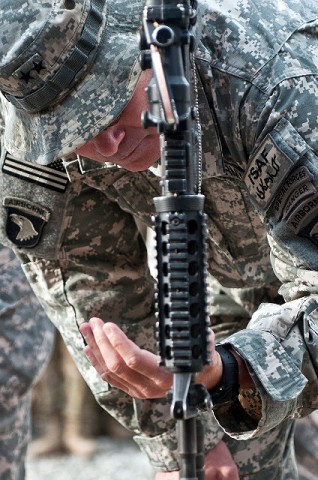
[257,81]
[26,338]
[306,446]
[41,60]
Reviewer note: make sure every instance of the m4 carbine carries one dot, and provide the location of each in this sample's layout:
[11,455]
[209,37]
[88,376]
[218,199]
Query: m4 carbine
[167,46]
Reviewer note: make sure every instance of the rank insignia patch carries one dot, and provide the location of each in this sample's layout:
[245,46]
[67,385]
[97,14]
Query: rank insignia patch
[52,176]
[25,221]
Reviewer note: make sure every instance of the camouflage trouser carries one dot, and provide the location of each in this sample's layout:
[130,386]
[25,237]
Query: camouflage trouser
[26,338]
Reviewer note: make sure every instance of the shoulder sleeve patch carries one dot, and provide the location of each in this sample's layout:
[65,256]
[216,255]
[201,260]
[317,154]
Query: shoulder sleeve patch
[303,215]
[268,168]
[272,162]
[296,187]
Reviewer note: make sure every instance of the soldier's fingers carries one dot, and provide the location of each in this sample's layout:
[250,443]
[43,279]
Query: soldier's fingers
[132,355]
[107,376]
[104,357]
[138,360]
[93,335]
[137,386]
[93,360]
[100,365]
[114,381]
[122,363]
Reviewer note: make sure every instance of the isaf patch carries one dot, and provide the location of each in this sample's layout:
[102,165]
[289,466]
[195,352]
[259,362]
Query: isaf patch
[25,221]
[282,188]
[265,173]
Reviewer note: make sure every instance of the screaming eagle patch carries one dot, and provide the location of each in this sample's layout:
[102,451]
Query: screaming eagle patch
[25,221]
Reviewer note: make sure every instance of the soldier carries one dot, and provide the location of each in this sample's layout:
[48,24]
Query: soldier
[26,338]
[72,88]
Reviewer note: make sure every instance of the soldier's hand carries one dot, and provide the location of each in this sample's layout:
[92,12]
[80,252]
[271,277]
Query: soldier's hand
[122,363]
[219,465]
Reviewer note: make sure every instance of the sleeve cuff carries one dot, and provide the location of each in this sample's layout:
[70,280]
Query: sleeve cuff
[278,381]
[269,361]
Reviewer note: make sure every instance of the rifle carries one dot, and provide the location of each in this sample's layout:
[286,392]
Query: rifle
[167,46]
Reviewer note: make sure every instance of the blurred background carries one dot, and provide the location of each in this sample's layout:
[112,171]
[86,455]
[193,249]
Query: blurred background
[73,437]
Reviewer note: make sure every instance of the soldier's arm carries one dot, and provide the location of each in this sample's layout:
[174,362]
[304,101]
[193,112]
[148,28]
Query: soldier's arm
[280,346]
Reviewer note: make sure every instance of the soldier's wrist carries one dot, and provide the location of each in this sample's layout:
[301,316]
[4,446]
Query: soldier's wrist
[227,388]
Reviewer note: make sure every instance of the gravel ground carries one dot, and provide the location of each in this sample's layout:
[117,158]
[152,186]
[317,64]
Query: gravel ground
[115,460]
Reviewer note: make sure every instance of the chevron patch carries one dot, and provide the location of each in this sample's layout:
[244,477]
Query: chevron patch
[52,176]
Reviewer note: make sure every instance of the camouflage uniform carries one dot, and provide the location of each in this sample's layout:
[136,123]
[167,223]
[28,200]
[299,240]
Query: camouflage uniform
[306,446]
[257,90]
[26,338]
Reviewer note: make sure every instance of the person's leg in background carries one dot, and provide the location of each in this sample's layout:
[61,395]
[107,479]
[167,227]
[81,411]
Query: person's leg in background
[66,416]
[60,405]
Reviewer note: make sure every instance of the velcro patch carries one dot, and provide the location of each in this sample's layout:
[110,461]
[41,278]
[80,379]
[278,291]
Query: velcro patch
[299,194]
[25,221]
[52,176]
[266,172]
[303,215]
[292,189]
